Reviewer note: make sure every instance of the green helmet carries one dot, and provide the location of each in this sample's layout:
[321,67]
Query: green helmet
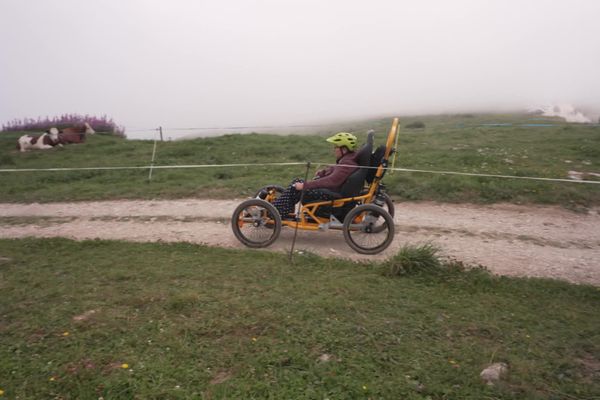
[344,139]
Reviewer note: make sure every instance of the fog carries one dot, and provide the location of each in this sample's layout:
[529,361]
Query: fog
[194,63]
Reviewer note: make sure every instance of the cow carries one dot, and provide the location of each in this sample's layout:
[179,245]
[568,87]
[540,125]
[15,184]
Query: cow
[75,134]
[47,140]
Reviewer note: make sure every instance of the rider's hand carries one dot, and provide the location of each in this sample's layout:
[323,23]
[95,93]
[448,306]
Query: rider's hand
[298,185]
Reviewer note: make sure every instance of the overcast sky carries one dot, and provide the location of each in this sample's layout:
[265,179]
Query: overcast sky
[195,63]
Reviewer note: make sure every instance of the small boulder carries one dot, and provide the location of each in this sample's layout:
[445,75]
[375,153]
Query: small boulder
[328,357]
[493,373]
[85,316]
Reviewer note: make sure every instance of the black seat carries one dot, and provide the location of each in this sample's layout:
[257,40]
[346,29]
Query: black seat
[376,159]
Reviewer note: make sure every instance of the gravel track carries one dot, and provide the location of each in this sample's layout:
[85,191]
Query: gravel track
[508,239]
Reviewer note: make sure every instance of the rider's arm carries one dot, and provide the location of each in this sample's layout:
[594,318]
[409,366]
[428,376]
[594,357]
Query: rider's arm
[323,172]
[335,179]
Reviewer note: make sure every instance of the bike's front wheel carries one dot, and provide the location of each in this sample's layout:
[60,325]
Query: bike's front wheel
[256,223]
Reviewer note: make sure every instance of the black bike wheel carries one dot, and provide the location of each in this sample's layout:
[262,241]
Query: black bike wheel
[388,203]
[368,229]
[256,223]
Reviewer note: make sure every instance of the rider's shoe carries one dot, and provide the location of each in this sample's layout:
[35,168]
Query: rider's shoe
[262,194]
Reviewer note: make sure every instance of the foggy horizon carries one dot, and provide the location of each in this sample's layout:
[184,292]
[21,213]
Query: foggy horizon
[265,62]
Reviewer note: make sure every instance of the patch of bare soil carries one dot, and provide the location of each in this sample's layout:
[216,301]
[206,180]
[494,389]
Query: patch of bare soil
[508,239]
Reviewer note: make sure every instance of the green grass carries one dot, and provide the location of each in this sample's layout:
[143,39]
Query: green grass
[414,260]
[447,143]
[196,322]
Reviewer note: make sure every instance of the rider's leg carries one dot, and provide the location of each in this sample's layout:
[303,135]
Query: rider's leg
[286,202]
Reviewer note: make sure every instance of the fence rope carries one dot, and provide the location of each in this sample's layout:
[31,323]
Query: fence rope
[147,167]
[245,165]
[535,178]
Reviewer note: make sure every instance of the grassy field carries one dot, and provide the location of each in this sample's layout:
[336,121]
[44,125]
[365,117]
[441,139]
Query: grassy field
[453,143]
[114,320]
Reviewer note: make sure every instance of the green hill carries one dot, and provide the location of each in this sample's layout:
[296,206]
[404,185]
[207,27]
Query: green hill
[511,144]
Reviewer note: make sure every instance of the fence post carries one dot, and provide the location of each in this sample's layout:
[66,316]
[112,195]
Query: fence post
[153,155]
[160,130]
[298,213]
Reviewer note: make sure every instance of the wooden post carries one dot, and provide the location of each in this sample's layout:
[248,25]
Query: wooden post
[160,130]
[154,155]
[298,213]
[395,148]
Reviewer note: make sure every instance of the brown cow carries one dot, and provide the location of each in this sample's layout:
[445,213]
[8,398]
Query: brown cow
[75,134]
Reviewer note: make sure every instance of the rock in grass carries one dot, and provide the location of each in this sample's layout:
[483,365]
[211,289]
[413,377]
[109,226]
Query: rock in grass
[493,373]
[328,357]
[85,316]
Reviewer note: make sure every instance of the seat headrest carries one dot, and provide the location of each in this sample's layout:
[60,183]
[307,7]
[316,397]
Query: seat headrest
[363,158]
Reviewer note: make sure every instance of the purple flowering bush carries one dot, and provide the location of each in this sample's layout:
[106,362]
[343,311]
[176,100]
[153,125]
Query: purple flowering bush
[101,124]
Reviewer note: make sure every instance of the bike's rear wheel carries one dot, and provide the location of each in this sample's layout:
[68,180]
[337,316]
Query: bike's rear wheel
[368,229]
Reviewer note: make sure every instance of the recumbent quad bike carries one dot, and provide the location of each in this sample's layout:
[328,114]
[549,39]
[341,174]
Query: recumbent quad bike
[362,209]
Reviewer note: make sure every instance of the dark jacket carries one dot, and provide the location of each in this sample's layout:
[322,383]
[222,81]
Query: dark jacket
[333,177]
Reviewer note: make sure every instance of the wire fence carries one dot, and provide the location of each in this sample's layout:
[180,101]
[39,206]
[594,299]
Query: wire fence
[152,167]
[159,136]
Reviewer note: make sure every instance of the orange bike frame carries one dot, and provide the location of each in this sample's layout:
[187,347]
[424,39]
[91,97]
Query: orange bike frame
[308,211]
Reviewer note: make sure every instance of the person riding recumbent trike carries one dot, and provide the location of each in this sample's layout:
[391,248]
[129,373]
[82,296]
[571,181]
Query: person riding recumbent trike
[362,209]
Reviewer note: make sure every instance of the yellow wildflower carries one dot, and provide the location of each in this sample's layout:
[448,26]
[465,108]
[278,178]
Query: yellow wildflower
[124,366]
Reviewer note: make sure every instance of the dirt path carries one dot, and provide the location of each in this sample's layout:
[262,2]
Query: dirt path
[508,239]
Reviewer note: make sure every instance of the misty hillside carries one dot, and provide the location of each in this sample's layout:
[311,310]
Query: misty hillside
[520,145]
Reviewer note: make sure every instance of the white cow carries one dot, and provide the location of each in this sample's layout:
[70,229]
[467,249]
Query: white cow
[47,140]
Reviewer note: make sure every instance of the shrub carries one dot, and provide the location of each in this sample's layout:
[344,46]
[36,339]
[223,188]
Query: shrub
[102,124]
[414,260]
[416,125]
